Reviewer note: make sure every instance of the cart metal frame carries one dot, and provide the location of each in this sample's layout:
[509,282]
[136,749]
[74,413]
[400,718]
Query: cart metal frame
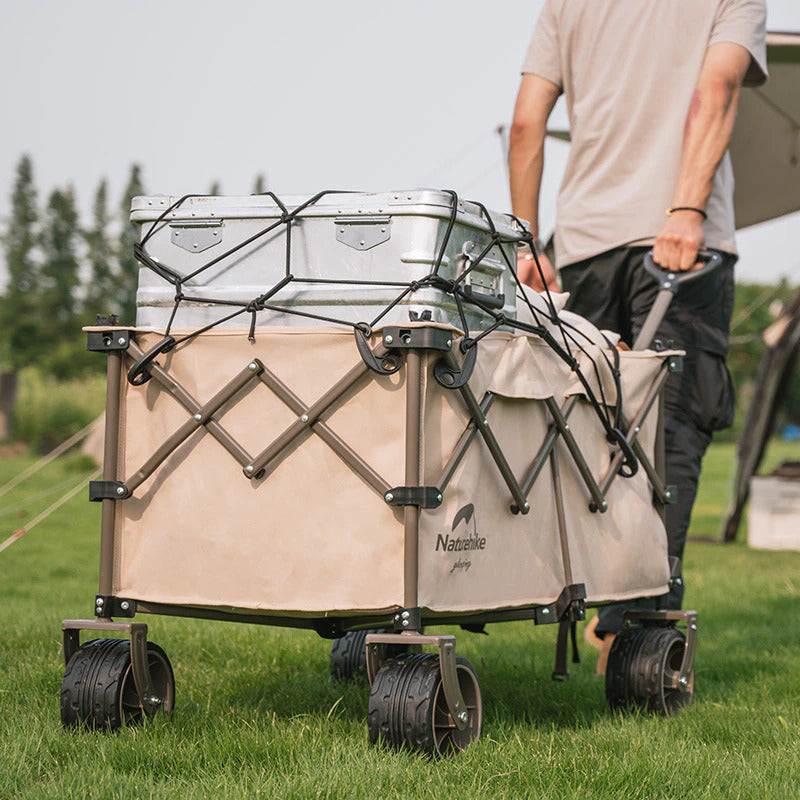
[418,348]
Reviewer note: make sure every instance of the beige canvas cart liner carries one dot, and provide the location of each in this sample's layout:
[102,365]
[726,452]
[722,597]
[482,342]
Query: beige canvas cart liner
[311,536]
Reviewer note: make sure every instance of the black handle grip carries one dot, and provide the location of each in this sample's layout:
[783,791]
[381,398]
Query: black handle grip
[672,280]
[488,300]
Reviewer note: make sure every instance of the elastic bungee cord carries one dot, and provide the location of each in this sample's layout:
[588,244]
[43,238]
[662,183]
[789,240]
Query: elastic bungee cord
[569,335]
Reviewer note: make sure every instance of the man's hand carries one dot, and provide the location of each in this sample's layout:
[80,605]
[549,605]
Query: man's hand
[529,274]
[677,245]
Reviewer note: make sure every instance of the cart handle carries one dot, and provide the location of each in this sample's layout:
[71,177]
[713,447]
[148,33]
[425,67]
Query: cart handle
[672,280]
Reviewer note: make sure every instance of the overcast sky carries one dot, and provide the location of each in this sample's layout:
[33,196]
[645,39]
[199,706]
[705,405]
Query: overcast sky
[353,94]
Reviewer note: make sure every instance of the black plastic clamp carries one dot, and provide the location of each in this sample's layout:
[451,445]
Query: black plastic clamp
[568,609]
[675,572]
[409,619]
[107,490]
[671,494]
[108,606]
[387,364]
[422,338]
[675,363]
[329,627]
[570,604]
[451,377]
[630,464]
[139,373]
[422,496]
[107,341]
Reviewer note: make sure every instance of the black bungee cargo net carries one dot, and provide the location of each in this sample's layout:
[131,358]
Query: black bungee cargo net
[570,337]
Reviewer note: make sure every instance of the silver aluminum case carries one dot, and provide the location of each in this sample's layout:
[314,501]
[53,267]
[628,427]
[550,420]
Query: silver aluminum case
[391,237]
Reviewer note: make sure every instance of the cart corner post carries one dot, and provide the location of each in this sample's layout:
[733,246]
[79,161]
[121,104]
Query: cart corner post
[412,477]
[113,342]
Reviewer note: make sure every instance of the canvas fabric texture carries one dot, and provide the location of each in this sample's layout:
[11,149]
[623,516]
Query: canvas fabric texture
[311,537]
[628,70]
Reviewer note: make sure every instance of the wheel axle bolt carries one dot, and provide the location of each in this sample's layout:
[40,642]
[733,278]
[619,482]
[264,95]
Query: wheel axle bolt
[463,716]
[684,681]
[156,701]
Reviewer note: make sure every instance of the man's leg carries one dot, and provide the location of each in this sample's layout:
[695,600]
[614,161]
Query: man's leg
[599,289]
[685,445]
[697,401]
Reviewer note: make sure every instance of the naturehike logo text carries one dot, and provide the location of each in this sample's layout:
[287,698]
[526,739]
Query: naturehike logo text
[452,544]
[467,539]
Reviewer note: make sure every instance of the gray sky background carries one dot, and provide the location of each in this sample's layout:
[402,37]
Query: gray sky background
[354,95]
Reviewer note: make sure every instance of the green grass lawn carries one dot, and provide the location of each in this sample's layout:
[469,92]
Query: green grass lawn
[257,716]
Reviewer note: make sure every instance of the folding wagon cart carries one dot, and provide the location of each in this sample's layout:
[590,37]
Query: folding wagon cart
[344,414]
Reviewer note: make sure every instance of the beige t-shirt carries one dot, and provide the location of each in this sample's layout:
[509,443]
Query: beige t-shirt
[628,69]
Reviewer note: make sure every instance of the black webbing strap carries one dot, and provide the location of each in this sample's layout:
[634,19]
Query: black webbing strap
[560,671]
[570,608]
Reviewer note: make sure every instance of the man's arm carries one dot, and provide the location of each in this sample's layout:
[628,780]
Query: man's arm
[535,101]
[709,124]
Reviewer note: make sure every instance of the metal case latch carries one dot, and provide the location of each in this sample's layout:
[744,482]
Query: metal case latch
[196,235]
[363,233]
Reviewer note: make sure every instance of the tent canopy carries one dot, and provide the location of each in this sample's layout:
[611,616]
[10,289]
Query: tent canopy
[765,146]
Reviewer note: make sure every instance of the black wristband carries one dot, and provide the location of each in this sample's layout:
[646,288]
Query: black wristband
[671,211]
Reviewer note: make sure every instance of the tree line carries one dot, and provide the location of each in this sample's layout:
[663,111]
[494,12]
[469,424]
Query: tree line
[62,273]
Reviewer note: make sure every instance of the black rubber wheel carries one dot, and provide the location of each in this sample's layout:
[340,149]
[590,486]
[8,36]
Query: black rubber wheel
[98,689]
[642,663]
[349,654]
[408,709]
